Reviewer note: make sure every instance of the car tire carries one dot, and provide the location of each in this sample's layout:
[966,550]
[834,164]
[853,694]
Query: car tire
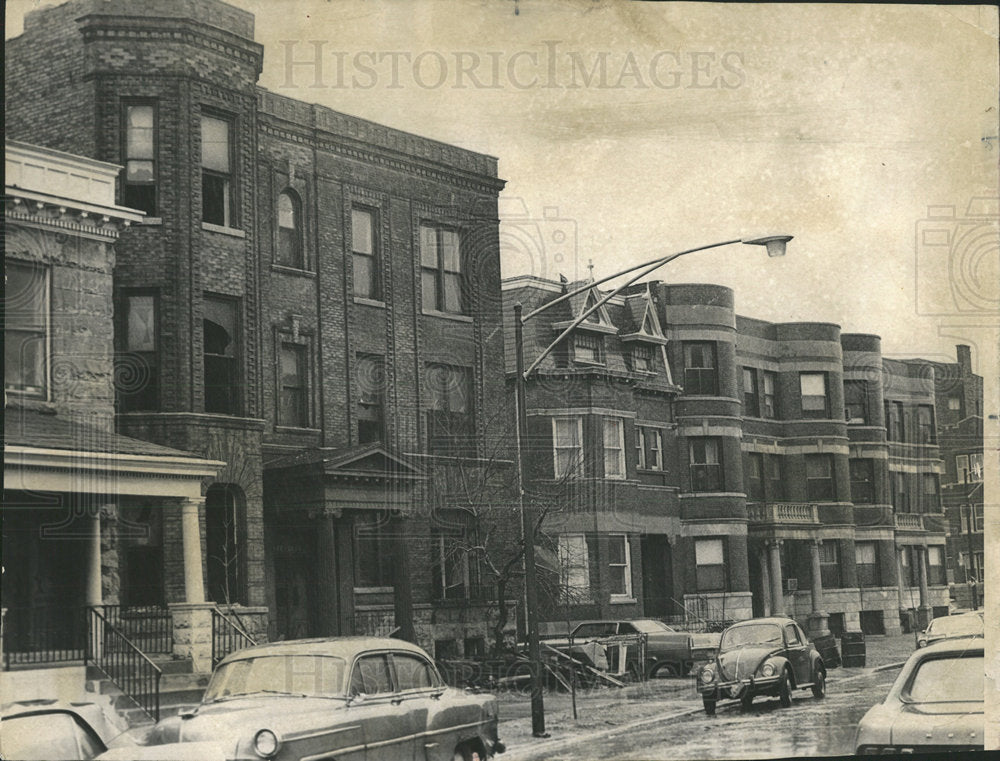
[465,753]
[746,702]
[709,704]
[664,671]
[819,684]
[785,689]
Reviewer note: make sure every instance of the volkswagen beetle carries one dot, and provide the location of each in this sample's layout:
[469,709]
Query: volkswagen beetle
[762,656]
[351,697]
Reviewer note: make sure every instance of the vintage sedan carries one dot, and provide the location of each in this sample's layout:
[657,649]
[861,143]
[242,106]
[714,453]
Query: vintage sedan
[958,625]
[53,730]
[667,652]
[935,704]
[350,697]
[762,656]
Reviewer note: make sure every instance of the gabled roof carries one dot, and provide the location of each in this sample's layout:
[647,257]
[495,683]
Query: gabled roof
[369,461]
[582,302]
[646,324]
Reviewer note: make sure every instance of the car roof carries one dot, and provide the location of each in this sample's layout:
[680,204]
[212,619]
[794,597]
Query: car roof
[769,620]
[341,647]
[953,645]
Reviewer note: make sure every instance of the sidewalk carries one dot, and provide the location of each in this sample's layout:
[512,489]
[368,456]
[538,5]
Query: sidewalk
[607,708]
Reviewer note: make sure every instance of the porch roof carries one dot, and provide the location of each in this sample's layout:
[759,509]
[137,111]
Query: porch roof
[366,461]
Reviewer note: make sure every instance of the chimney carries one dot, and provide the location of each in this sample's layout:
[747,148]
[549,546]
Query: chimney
[964,354]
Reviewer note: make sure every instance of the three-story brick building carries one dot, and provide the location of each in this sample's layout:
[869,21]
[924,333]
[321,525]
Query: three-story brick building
[310,299]
[717,466]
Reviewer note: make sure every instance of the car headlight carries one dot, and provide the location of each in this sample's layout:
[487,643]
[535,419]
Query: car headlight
[706,675]
[767,670]
[266,743]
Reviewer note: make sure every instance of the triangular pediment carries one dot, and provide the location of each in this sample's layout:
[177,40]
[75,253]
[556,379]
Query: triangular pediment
[644,319]
[583,302]
[370,461]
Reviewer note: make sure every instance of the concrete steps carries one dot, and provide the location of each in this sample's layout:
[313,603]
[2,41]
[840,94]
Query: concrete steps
[180,687]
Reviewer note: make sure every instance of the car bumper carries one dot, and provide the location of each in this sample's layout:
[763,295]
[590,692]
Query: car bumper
[738,688]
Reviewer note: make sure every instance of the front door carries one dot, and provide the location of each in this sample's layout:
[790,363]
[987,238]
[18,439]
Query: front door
[657,576]
[293,592]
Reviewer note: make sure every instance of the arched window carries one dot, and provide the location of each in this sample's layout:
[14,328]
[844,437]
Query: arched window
[290,230]
[225,546]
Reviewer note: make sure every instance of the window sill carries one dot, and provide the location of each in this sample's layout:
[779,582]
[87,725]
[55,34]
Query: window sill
[285,269]
[150,221]
[448,315]
[616,478]
[373,590]
[650,470]
[588,363]
[230,231]
[296,429]
[379,304]
[622,600]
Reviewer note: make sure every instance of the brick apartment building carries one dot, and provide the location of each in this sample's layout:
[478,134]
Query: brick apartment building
[310,299]
[959,405]
[717,467]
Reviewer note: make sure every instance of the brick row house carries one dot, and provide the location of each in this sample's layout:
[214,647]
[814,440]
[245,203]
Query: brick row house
[716,466]
[308,300]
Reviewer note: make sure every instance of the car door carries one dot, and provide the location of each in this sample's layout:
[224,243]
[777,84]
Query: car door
[420,689]
[390,734]
[797,652]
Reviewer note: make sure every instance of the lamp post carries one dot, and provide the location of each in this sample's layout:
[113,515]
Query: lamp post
[969,527]
[775,245]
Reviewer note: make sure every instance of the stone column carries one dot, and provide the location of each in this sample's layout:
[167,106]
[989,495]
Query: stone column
[326,559]
[777,593]
[94,595]
[819,617]
[765,580]
[924,614]
[194,584]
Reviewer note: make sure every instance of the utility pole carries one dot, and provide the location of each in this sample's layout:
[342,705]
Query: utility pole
[973,580]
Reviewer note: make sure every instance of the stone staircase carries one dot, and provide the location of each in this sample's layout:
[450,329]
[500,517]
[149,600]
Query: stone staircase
[180,686]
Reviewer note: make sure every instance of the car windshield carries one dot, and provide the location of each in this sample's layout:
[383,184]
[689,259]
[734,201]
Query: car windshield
[750,634]
[945,680]
[650,625]
[966,624]
[302,675]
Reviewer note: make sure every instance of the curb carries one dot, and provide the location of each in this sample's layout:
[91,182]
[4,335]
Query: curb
[889,666]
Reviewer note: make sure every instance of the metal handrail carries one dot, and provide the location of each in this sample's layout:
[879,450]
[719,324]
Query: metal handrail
[124,663]
[227,636]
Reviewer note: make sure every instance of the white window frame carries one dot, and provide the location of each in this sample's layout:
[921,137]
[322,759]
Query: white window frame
[701,547]
[625,596]
[557,447]
[620,474]
[656,447]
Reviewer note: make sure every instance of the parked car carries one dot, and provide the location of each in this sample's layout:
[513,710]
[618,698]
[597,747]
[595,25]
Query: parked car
[353,697]
[667,652]
[762,656]
[53,730]
[935,704]
[958,625]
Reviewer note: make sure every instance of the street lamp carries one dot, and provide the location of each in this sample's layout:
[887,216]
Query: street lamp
[775,245]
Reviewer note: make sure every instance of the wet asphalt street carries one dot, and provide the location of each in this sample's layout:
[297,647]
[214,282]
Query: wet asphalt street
[810,727]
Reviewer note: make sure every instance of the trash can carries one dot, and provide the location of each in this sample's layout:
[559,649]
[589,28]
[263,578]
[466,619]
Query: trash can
[827,647]
[852,649]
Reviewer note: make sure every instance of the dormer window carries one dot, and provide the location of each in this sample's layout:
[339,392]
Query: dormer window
[588,348]
[642,358]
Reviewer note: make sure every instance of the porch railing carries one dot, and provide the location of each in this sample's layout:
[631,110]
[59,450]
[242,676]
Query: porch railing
[150,627]
[227,636]
[43,634]
[125,664]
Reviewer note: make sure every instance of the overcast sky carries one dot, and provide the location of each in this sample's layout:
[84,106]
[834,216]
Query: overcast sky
[645,128]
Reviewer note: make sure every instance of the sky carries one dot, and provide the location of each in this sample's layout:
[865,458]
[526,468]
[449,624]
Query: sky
[627,131]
